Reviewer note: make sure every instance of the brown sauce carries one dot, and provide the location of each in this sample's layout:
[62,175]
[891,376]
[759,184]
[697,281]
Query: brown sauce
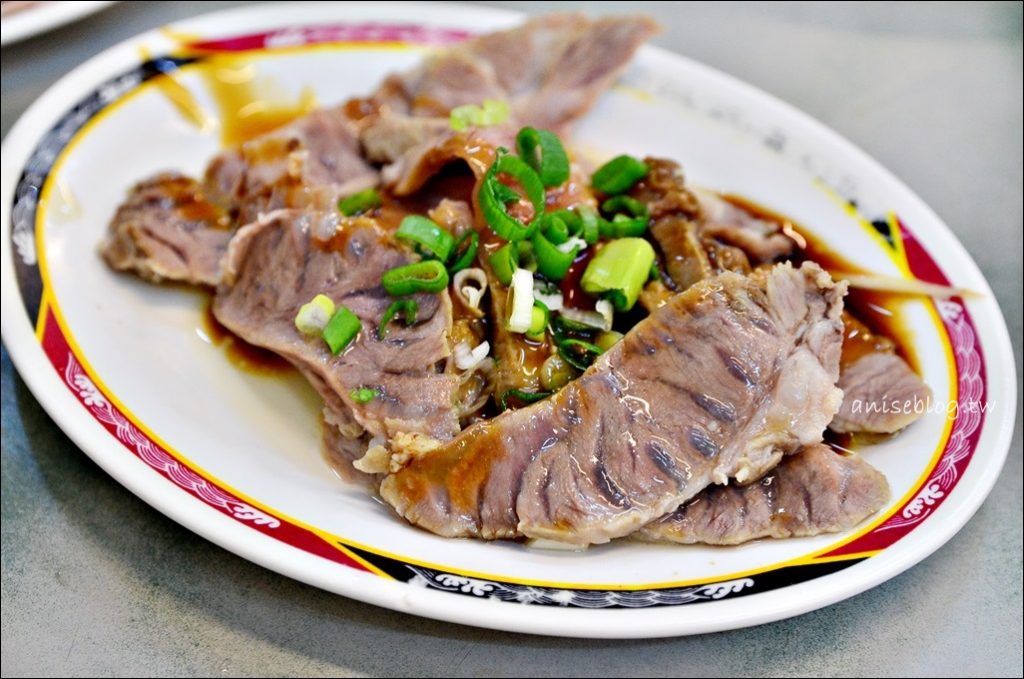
[240,353]
[872,322]
[358,108]
[572,290]
[247,107]
[875,322]
[192,204]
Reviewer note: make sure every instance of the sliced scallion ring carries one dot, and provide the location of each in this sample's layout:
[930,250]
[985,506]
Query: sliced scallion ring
[426,235]
[494,198]
[543,151]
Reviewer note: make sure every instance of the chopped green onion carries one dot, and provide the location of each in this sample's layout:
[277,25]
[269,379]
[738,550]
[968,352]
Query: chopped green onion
[630,217]
[424,233]
[556,372]
[590,229]
[574,243]
[520,304]
[599,319]
[552,263]
[426,276]
[608,339]
[341,329]
[468,359]
[538,321]
[618,271]
[505,193]
[579,354]
[563,327]
[494,198]
[407,307]
[555,226]
[620,204]
[543,151]
[618,175]
[621,226]
[504,262]
[524,396]
[492,112]
[527,256]
[358,203]
[363,395]
[467,245]
[314,315]
[549,294]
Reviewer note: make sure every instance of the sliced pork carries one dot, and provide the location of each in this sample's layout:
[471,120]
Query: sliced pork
[700,234]
[276,265]
[812,492]
[176,228]
[881,395]
[169,229]
[718,383]
[549,71]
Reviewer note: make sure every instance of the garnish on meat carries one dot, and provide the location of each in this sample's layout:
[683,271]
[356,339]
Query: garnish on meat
[509,345]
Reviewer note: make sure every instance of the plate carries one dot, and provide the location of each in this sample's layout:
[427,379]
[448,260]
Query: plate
[45,16]
[132,374]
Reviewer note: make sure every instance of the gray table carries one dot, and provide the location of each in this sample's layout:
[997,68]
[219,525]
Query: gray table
[96,582]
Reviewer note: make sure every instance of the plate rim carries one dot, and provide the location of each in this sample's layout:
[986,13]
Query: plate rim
[67,413]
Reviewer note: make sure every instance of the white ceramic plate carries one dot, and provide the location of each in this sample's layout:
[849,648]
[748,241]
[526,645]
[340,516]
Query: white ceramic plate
[45,16]
[126,369]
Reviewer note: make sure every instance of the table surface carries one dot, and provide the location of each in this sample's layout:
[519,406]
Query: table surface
[94,581]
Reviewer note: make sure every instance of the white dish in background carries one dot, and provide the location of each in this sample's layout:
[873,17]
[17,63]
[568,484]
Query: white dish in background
[126,369]
[45,16]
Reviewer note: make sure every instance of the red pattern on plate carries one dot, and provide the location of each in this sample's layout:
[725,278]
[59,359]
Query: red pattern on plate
[970,411]
[316,35]
[58,350]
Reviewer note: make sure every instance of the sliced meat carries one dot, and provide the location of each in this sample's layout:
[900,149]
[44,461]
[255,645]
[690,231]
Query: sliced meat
[311,162]
[761,241]
[174,228]
[812,492]
[701,234]
[717,383]
[554,68]
[168,229]
[881,395]
[276,265]
[675,227]
[341,452]
[550,71]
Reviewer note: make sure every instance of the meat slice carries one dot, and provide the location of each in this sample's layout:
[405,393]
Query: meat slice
[761,241]
[310,162]
[175,228]
[717,383]
[701,234]
[881,395]
[168,229]
[276,264]
[549,70]
[812,492]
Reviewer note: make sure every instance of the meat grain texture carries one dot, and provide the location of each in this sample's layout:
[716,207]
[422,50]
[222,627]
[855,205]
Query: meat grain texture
[719,383]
